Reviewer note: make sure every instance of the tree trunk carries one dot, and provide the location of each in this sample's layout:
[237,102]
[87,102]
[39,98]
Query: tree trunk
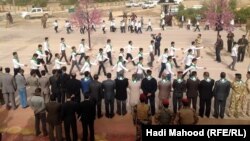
[89,38]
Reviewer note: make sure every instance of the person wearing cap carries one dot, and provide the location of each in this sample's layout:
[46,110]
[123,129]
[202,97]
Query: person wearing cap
[186,115]
[142,115]
[38,106]
[165,115]
[246,108]
[221,92]
[149,87]
[121,85]
[205,93]
[238,93]
[192,89]
[164,86]
[179,87]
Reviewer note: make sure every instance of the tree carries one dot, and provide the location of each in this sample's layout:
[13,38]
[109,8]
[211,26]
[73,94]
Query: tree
[233,5]
[83,15]
[218,14]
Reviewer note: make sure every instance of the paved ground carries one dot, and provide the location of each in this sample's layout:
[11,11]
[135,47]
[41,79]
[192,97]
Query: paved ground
[25,36]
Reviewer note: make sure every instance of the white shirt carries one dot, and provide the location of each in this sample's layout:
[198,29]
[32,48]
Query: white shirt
[34,65]
[120,67]
[16,63]
[55,24]
[192,68]
[188,59]
[101,57]
[87,67]
[123,24]
[132,23]
[46,46]
[73,54]
[197,23]
[172,51]
[193,48]
[163,58]
[163,22]
[140,68]
[139,24]
[82,48]
[189,22]
[58,64]
[103,25]
[40,54]
[149,23]
[123,57]
[129,48]
[235,51]
[108,48]
[151,48]
[63,46]
[168,69]
[67,24]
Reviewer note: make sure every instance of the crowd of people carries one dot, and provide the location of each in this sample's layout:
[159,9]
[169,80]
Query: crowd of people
[56,98]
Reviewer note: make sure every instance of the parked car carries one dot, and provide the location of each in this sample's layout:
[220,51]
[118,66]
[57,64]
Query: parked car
[132,4]
[148,4]
[36,13]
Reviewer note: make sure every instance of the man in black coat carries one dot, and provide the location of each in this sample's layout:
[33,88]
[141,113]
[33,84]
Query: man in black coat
[157,43]
[74,88]
[179,86]
[121,94]
[221,92]
[192,89]
[109,96]
[55,85]
[206,93]
[53,118]
[149,87]
[86,113]
[64,78]
[96,94]
[68,115]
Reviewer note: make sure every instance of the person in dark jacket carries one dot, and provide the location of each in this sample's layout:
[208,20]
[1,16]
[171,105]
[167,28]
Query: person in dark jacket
[149,87]
[96,94]
[54,81]
[74,88]
[218,48]
[192,89]
[221,92]
[109,95]
[68,115]
[205,93]
[179,86]
[157,43]
[86,113]
[121,94]
[53,118]
[64,78]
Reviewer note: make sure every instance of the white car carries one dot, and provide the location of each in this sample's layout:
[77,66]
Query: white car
[149,4]
[35,13]
[132,4]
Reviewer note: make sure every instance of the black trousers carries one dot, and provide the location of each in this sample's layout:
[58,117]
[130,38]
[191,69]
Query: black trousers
[149,27]
[241,53]
[157,50]
[88,129]
[40,117]
[219,108]
[177,103]
[197,27]
[58,132]
[82,55]
[109,107]
[56,29]
[229,45]
[74,63]
[131,57]
[103,30]
[58,96]
[49,56]
[217,52]
[139,30]
[16,70]
[175,62]
[151,99]
[98,104]
[70,125]
[121,107]
[194,101]
[37,72]
[163,67]
[41,61]
[63,95]
[64,56]
[186,67]
[82,30]
[101,66]
[205,104]
[110,58]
